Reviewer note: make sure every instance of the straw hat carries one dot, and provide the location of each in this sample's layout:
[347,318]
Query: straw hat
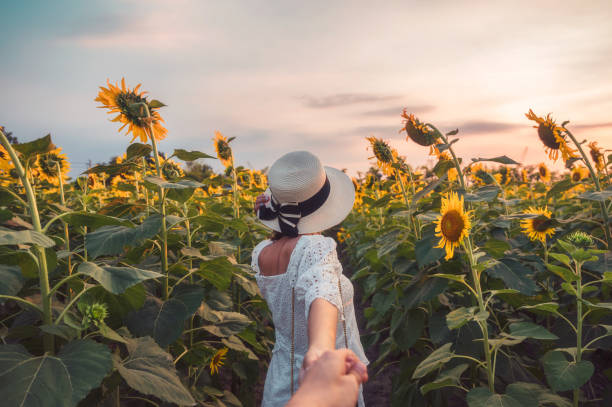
[305,196]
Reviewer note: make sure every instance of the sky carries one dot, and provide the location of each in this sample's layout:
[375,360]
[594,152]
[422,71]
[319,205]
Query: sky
[317,75]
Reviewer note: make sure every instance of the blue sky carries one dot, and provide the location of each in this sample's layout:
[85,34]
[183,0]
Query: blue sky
[317,75]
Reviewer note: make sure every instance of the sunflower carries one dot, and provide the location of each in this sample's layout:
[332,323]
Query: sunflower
[543,173]
[524,176]
[171,170]
[94,181]
[451,174]
[453,224]
[597,156]
[480,175]
[420,133]
[46,167]
[5,161]
[551,135]
[217,360]
[384,154]
[505,176]
[579,173]
[540,227]
[121,100]
[224,151]
[259,178]
[342,235]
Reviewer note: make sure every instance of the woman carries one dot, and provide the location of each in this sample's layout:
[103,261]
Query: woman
[298,272]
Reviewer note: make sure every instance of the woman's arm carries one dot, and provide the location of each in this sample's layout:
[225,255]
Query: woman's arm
[322,324]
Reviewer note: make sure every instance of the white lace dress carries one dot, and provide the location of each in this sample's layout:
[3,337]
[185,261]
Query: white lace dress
[314,271]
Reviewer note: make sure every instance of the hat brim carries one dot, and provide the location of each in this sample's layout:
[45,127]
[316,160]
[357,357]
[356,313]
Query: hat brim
[336,208]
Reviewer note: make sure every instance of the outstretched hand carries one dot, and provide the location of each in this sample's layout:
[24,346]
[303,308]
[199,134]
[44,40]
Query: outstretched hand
[332,380]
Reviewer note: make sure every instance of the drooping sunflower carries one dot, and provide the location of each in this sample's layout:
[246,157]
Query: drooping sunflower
[596,155]
[543,173]
[224,151]
[217,360]
[121,100]
[420,133]
[384,154]
[551,135]
[540,227]
[579,173]
[46,167]
[453,225]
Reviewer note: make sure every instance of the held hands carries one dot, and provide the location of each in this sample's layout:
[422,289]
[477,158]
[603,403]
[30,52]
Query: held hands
[332,380]
[260,201]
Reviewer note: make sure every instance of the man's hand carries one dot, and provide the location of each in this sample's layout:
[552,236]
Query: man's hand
[332,381]
[260,201]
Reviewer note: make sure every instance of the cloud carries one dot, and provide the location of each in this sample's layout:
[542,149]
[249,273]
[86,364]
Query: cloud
[480,127]
[391,130]
[396,111]
[591,126]
[344,99]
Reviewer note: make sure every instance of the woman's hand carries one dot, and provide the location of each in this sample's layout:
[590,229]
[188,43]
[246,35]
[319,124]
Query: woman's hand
[311,356]
[260,201]
[332,381]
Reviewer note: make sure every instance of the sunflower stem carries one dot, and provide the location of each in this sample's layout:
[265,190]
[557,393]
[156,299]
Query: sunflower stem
[455,159]
[235,190]
[483,324]
[162,206]
[66,231]
[146,192]
[579,321]
[602,205]
[407,203]
[43,275]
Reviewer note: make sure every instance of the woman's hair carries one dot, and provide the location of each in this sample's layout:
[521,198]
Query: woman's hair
[277,235]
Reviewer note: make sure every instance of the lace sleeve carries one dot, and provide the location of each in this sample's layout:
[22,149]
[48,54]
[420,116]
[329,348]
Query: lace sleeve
[255,255]
[320,271]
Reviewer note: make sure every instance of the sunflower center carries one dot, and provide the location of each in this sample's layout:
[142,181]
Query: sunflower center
[224,150]
[382,152]
[576,176]
[419,133]
[48,166]
[542,171]
[546,133]
[124,100]
[540,225]
[452,225]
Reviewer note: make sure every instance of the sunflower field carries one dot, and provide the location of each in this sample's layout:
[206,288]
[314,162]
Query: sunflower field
[482,281]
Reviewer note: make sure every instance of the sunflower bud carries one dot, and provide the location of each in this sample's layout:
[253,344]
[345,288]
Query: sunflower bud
[94,314]
[580,239]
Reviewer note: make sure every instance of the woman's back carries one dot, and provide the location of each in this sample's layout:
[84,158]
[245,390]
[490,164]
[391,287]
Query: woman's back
[274,258]
[308,264]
